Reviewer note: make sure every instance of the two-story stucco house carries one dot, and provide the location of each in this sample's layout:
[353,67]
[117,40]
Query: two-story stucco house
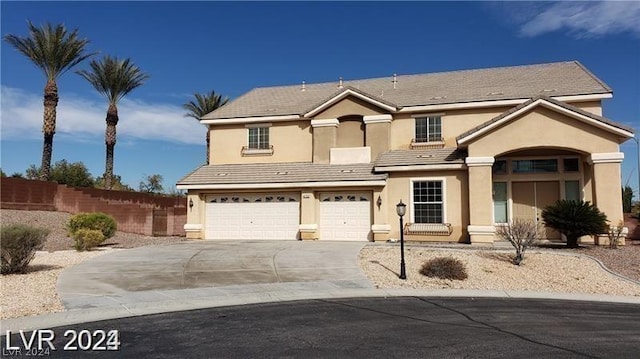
[465,150]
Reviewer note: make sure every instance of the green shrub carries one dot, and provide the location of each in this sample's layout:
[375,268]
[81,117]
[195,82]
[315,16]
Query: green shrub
[19,243]
[86,239]
[444,268]
[100,221]
[574,219]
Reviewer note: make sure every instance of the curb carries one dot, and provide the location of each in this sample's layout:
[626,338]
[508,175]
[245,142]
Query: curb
[79,316]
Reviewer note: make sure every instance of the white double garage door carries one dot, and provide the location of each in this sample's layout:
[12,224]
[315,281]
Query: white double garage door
[276,216]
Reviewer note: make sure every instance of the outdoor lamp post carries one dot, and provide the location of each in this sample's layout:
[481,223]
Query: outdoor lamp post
[401,209]
[637,141]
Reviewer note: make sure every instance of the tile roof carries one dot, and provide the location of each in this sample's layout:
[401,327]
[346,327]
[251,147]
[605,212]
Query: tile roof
[280,173]
[553,101]
[447,155]
[501,83]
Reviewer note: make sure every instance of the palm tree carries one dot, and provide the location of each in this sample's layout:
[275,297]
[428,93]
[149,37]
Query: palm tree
[114,78]
[54,51]
[575,219]
[204,104]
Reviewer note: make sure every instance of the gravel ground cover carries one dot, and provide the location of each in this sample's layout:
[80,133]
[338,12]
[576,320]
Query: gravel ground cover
[34,293]
[493,270]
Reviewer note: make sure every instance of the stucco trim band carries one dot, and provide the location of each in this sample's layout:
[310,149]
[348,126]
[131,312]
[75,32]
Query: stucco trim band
[606,157]
[192,227]
[479,161]
[377,119]
[380,228]
[308,228]
[379,183]
[331,122]
[481,230]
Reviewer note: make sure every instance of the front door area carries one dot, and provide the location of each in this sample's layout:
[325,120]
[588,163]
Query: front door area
[530,199]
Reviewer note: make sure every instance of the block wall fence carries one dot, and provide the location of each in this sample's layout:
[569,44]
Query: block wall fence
[134,212]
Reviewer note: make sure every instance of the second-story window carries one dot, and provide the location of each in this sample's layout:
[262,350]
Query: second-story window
[428,129]
[259,138]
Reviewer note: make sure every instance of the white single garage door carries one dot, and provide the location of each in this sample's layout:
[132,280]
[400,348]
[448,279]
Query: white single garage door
[253,216]
[345,216]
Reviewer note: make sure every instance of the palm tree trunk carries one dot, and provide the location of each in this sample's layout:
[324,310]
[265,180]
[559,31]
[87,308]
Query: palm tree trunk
[208,141]
[110,141]
[48,127]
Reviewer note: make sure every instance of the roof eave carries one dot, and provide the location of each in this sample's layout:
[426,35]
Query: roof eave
[344,94]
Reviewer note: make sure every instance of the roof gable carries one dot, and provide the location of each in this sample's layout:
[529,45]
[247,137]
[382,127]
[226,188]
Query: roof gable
[345,93]
[552,104]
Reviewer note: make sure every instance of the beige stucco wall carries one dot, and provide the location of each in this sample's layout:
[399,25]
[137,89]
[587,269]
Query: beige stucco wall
[607,190]
[590,106]
[454,123]
[324,139]
[292,142]
[456,203]
[347,107]
[378,138]
[350,133]
[543,128]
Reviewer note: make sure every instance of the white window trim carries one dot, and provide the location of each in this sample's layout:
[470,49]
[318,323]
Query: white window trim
[415,135]
[444,196]
[258,150]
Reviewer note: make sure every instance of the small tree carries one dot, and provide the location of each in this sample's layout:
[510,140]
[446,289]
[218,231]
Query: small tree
[116,184]
[152,184]
[627,199]
[575,219]
[521,234]
[73,174]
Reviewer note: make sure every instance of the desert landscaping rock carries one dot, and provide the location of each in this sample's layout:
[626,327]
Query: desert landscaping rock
[493,270]
[35,293]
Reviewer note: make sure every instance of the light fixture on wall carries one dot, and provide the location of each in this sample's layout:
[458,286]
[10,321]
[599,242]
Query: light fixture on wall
[190,203]
[379,202]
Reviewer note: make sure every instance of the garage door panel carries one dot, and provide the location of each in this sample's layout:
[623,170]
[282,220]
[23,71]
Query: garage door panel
[252,216]
[345,216]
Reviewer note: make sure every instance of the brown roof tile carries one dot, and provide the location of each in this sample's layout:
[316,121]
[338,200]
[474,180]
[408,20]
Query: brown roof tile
[501,83]
[447,155]
[258,173]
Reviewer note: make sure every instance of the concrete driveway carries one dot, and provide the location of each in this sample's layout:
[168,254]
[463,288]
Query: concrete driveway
[193,269]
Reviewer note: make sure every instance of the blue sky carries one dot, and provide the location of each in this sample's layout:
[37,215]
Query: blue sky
[190,47]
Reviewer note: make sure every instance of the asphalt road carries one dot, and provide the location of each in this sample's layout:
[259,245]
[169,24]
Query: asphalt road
[404,327]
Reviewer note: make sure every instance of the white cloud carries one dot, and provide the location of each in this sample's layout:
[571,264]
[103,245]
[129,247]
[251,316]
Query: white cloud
[84,119]
[581,19]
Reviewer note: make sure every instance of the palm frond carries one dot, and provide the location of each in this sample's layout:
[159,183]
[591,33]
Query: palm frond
[53,50]
[114,78]
[204,104]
